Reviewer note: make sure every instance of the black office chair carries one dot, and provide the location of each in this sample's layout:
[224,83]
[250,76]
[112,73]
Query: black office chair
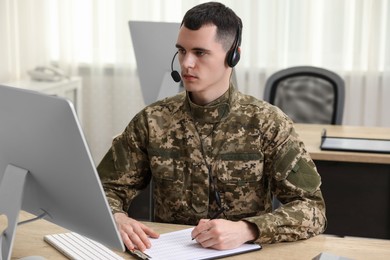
[307,94]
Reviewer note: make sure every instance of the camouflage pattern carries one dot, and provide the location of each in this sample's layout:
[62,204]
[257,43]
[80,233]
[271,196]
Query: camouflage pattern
[247,145]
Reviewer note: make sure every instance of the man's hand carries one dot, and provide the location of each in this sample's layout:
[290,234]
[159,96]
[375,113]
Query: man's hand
[134,234]
[223,234]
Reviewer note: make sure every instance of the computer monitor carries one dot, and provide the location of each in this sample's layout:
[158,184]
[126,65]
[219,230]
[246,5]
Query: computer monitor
[154,46]
[46,169]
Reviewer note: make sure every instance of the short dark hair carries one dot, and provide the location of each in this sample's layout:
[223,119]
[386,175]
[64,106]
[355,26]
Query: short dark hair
[227,22]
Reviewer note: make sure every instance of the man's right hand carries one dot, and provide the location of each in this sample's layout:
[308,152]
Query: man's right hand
[134,234]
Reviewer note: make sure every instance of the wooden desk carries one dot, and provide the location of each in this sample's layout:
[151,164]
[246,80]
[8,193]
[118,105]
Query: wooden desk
[29,241]
[355,185]
[311,136]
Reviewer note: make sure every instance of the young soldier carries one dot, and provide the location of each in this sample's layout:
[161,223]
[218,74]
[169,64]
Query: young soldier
[212,148]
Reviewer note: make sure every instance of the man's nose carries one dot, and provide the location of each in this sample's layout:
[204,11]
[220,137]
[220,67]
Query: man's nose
[188,61]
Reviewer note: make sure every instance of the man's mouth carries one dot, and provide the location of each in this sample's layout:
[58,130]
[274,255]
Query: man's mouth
[189,77]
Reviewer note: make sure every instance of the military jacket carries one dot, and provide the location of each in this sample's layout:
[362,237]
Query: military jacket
[244,149]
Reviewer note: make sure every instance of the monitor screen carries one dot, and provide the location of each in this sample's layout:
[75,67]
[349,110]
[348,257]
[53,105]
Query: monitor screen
[45,160]
[154,52]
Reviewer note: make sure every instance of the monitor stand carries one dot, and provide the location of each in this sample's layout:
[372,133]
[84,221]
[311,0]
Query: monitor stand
[11,195]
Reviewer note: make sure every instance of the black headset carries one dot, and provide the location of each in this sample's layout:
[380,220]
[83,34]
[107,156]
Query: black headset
[232,56]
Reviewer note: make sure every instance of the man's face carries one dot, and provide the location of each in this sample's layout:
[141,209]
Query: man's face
[202,61]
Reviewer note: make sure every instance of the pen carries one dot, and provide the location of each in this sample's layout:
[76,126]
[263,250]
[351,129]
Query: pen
[217,214]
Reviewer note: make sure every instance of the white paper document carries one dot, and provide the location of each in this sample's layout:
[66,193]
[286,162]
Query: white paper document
[179,245]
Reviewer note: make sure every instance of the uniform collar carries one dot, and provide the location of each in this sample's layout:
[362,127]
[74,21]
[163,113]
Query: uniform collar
[214,111]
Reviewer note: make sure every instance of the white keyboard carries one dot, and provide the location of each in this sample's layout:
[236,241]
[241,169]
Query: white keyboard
[75,246]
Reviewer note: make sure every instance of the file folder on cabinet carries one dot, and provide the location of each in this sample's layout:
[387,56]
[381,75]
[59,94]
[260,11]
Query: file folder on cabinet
[353,144]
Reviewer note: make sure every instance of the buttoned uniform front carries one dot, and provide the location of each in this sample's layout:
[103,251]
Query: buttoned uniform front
[248,146]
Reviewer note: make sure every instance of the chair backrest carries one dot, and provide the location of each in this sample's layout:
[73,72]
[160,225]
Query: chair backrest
[307,94]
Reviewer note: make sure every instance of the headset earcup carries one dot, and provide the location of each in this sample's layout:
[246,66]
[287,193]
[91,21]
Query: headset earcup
[232,58]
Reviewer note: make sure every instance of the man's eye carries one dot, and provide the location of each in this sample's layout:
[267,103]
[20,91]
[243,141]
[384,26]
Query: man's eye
[200,53]
[181,51]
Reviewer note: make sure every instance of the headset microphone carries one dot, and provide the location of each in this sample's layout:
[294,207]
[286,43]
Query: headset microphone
[175,75]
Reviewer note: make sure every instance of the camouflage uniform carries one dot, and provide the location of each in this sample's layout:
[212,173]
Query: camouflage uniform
[247,145]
